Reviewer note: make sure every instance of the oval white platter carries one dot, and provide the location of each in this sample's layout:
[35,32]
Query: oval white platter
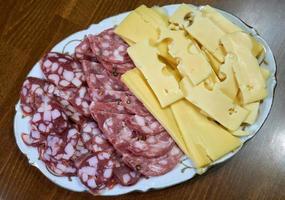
[184,170]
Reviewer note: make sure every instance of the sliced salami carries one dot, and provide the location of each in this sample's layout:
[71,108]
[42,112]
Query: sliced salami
[80,151]
[81,100]
[107,95]
[62,70]
[31,89]
[79,160]
[98,78]
[49,118]
[74,99]
[65,97]
[53,147]
[58,151]
[62,168]
[92,67]
[70,111]
[30,141]
[96,171]
[109,47]
[134,106]
[126,139]
[83,51]
[151,146]
[124,174]
[93,138]
[154,166]
[117,69]
[68,149]
[112,107]
[146,125]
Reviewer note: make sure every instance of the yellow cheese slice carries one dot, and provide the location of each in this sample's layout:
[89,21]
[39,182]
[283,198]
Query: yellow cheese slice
[240,133]
[150,16]
[194,65]
[212,79]
[163,51]
[163,84]
[223,23]
[135,29]
[265,72]
[253,112]
[228,27]
[183,15]
[237,38]
[228,85]
[247,71]
[206,140]
[257,47]
[216,104]
[208,34]
[191,61]
[136,83]
[161,11]
[145,23]
[215,64]
[129,42]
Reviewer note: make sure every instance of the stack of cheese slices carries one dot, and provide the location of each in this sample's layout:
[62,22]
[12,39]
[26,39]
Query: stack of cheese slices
[198,74]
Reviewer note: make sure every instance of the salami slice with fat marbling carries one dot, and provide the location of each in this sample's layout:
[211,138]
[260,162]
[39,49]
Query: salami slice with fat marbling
[120,135]
[96,170]
[62,70]
[109,47]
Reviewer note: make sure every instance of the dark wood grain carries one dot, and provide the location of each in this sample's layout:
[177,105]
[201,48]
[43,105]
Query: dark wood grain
[28,29]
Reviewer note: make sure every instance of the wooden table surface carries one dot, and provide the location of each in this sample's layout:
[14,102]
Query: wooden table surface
[28,29]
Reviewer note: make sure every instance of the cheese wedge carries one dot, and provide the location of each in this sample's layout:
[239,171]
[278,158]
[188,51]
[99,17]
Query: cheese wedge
[247,71]
[206,140]
[191,61]
[139,87]
[228,85]
[253,112]
[228,27]
[208,34]
[216,104]
[163,84]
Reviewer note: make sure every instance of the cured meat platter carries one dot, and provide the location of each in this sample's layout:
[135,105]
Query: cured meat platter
[84,124]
